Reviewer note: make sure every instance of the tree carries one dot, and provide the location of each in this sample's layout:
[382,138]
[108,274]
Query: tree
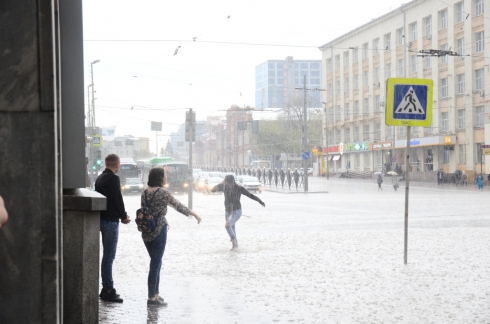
[169,151]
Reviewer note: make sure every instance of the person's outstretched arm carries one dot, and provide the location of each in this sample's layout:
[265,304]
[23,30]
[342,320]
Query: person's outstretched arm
[3,213]
[251,196]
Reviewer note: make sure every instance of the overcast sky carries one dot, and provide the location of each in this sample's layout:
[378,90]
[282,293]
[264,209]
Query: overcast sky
[211,73]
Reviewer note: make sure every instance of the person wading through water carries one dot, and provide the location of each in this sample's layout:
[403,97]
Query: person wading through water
[233,208]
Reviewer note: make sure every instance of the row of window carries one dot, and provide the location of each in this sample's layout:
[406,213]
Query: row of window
[376,135]
[280,66]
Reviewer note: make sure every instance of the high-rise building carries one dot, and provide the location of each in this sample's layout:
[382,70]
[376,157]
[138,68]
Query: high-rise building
[276,80]
[358,64]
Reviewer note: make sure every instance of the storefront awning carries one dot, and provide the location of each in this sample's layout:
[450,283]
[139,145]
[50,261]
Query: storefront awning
[336,157]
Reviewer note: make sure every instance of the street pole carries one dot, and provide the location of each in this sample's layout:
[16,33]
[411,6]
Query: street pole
[407,184]
[305,138]
[92,151]
[191,122]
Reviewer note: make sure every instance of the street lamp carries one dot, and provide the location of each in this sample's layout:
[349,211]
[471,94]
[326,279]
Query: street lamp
[92,115]
[326,137]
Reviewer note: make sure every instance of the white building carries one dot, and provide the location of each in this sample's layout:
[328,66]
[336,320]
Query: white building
[358,64]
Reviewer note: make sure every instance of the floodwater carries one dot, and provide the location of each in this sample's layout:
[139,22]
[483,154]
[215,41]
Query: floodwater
[335,257]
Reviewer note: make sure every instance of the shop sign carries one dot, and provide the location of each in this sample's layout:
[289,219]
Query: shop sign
[381,146]
[341,148]
[334,148]
[353,147]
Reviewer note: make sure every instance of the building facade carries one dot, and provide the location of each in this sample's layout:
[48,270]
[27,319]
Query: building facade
[358,64]
[276,80]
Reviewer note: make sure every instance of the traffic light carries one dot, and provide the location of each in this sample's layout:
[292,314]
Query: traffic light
[99,158]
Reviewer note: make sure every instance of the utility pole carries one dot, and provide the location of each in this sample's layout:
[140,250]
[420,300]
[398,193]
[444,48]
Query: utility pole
[305,132]
[190,124]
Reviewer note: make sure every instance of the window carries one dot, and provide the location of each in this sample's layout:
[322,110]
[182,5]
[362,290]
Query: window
[272,81]
[347,135]
[329,89]
[337,87]
[314,73]
[401,67]
[376,46]
[377,103]
[272,74]
[304,66]
[402,132]
[314,65]
[367,159]
[389,132]
[387,39]
[366,106]
[444,121]
[444,58]
[445,158]
[366,78]
[428,26]
[376,76]
[347,111]
[400,37]
[356,55]
[356,134]
[443,19]
[337,61]
[377,133]
[338,113]
[388,71]
[338,133]
[479,42]
[356,108]
[459,11]
[414,63]
[462,153]
[378,157]
[480,79]
[461,119]
[272,66]
[480,158]
[357,161]
[479,9]
[460,86]
[356,81]
[413,31]
[329,65]
[279,74]
[444,88]
[460,46]
[428,62]
[346,58]
[480,116]
[365,50]
[346,84]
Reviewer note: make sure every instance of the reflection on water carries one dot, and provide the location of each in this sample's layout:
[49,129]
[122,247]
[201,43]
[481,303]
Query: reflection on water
[152,317]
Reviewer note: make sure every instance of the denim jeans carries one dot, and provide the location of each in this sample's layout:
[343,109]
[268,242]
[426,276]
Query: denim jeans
[232,218]
[155,249]
[110,235]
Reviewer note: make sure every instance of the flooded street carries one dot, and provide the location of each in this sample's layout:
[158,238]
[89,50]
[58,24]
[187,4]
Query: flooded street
[320,257]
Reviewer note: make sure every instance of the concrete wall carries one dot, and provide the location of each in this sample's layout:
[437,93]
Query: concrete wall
[29,164]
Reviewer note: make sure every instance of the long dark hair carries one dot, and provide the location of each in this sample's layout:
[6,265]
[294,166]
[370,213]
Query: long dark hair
[155,177]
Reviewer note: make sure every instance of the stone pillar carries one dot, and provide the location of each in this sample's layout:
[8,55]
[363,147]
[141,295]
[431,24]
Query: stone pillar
[81,224]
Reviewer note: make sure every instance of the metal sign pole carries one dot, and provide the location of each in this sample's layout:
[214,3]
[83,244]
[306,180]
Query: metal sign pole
[190,124]
[407,184]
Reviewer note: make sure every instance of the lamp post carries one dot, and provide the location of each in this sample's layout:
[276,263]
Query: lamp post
[92,117]
[326,138]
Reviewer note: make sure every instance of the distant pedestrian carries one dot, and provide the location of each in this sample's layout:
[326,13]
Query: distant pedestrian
[288,176]
[479,181]
[379,181]
[159,198]
[108,184]
[394,182]
[464,179]
[282,176]
[440,176]
[296,177]
[233,207]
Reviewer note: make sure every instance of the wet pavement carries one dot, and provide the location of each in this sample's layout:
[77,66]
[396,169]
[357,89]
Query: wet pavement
[335,256]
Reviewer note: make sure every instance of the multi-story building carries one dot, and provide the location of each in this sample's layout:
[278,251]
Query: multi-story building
[358,64]
[276,80]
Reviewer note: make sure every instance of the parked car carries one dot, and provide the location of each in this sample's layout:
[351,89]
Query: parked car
[310,171]
[252,184]
[132,185]
[210,183]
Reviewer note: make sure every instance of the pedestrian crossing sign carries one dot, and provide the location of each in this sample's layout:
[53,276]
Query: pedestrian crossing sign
[409,102]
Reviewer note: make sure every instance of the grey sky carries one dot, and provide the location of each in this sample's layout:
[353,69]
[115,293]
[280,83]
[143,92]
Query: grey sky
[208,77]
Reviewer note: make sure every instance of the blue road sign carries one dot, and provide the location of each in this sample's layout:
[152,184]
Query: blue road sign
[306,155]
[409,102]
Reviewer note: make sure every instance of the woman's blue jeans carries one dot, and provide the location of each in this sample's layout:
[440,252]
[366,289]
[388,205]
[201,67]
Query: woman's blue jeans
[110,236]
[232,218]
[155,249]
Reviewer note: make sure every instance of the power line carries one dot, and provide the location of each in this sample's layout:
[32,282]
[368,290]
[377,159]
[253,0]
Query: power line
[192,41]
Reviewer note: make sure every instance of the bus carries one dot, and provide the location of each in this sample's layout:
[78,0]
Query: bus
[176,173]
[129,169]
[260,164]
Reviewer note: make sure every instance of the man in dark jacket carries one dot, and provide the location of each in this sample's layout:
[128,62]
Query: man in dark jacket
[108,184]
[233,208]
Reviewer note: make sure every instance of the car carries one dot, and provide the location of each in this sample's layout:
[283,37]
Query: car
[250,183]
[310,171]
[132,185]
[200,184]
[210,183]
